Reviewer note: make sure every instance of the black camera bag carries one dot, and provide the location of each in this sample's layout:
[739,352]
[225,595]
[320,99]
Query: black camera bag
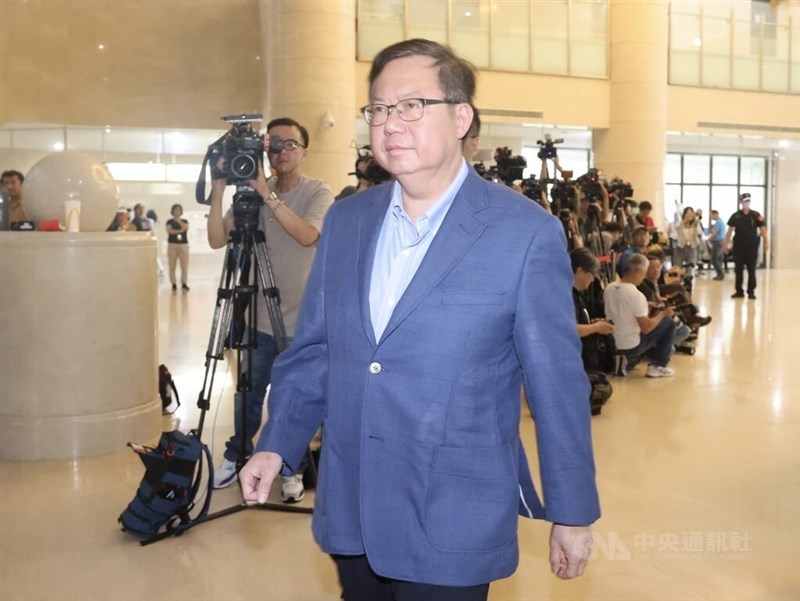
[166,494]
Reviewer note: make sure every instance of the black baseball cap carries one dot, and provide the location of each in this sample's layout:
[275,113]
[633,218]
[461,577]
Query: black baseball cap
[744,197]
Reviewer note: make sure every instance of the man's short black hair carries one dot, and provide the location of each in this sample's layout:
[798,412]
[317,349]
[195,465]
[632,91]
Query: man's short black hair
[290,123]
[639,230]
[456,75]
[645,206]
[585,259]
[657,254]
[13,173]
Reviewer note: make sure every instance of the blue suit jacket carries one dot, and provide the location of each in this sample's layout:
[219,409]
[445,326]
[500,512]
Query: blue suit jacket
[422,466]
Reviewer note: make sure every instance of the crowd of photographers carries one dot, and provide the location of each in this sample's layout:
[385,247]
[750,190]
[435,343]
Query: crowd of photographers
[632,284]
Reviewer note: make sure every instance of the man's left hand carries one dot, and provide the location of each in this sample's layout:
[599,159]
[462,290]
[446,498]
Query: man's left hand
[570,547]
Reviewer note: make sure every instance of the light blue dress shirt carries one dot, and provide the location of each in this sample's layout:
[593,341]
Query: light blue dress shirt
[402,245]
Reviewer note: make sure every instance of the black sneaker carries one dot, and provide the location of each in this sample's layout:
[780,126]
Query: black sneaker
[185,287]
[751,295]
[737,295]
[174,288]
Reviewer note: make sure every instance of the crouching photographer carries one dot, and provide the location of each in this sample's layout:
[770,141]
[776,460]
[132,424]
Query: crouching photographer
[593,330]
[636,332]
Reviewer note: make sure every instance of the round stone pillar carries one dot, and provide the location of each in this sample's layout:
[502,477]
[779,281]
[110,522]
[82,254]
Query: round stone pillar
[310,74]
[634,146]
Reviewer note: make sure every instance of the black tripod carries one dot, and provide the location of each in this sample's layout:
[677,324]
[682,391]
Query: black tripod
[246,271]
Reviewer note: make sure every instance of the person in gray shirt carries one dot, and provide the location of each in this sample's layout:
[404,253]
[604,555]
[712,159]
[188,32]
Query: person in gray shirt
[291,218]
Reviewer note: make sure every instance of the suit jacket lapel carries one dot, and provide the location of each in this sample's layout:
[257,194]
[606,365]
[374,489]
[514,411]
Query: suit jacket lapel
[458,232]
[369,229]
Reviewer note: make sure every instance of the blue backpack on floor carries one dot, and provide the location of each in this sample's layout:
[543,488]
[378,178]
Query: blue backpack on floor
[166,494]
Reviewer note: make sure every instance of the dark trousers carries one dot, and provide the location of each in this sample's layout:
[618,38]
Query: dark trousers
[659,342]
[360,583]
[745,257]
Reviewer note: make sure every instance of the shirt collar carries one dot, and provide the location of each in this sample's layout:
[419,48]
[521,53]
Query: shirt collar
[433,217]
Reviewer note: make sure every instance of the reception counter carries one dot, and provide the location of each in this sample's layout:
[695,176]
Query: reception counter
[78,343]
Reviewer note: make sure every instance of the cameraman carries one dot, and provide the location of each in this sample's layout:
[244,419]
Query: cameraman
[291,218]
[367,172]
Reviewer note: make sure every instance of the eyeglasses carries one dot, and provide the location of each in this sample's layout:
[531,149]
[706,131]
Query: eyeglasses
[410,109]
[276,145]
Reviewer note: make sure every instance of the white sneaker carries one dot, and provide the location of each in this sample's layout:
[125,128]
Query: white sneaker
[225,474]
[659,371]
[292,488]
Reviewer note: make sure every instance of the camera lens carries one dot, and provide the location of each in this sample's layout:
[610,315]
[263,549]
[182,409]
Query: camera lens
[243,166]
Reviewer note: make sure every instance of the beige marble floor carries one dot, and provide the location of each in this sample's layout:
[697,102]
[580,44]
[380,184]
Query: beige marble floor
[699,479]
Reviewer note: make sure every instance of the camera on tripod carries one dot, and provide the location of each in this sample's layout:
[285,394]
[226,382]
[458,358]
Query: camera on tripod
[242,149]
[547,148]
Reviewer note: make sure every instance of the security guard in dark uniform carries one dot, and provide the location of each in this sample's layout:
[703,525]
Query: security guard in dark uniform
[748,225]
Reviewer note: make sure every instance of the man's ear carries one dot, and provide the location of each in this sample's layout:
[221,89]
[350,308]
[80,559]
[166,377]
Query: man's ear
[464,116]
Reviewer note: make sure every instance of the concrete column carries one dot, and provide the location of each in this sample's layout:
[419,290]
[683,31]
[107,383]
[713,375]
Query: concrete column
[78,350]
[310,50]
[634,146]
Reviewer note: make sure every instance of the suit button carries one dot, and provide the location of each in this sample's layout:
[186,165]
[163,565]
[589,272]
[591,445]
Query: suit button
[375,368]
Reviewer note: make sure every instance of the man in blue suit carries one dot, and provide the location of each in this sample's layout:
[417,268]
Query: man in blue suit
[432,301]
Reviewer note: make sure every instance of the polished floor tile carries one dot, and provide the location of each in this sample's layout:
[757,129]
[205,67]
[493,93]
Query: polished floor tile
[699,478]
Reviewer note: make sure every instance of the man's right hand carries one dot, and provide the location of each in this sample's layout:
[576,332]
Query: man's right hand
[257,475]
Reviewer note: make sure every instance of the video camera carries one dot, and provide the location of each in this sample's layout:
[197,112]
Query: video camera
[533,188]
[507,170]
[368,168]
[509,167]
[563,195]
[619,188]
[547,148]
[591,185]
[242,148]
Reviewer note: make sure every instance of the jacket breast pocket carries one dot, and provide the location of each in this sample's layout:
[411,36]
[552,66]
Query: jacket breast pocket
[473,499]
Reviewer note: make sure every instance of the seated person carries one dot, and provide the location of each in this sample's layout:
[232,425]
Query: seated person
[635,331]
[584,269]
[671,287]
[650,288]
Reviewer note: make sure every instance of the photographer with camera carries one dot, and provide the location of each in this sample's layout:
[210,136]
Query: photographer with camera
[651,289]
[291,219]
[636,332]
[367,172]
